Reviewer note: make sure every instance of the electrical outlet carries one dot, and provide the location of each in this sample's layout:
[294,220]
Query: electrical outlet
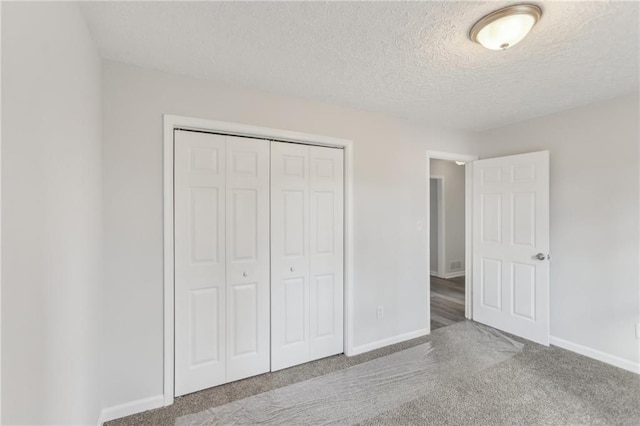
[638,331]
[380,312]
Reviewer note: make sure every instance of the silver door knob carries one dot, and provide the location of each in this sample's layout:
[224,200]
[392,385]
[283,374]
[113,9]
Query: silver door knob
[541,256]
[244,274]
[292,269]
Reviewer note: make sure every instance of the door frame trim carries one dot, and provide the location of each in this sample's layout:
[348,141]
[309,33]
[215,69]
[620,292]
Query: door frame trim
[172,122]
[468,222]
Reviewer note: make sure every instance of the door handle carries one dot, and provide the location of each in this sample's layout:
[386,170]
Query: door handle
[541,256]
[244,274]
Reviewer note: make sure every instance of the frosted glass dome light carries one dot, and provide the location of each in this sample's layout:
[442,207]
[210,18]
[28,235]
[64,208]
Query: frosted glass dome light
[506,27]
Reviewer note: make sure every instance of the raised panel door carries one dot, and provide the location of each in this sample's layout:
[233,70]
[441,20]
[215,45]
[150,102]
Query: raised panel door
[326,251]
[247,257]
[511,244]
[290,290]
[199,211]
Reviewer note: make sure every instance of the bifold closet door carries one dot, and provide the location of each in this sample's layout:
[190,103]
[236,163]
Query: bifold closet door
[200,264]
[306,253]
[326,251]
[221,224]
[248,342]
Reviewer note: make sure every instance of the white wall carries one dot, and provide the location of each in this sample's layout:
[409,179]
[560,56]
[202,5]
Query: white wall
[595,290]
[390,197]
[433,224]
[51,216]
[454,197]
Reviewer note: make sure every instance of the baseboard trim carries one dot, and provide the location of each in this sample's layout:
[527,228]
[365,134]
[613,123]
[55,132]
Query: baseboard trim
[450,275]
[596,354]
[129,408]
[434,273]
[388,341]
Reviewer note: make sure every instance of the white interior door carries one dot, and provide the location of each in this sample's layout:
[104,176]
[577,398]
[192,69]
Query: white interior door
[326,251]
[289,255]
[247,253]
[306,253]
[199,214]
[511,244]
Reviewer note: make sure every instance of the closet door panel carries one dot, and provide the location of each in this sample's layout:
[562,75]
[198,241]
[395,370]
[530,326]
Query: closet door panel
[199,211]
[247,254]
[289,255]
[326,193]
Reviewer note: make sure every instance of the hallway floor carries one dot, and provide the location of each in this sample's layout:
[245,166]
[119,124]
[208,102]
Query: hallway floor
[447,301]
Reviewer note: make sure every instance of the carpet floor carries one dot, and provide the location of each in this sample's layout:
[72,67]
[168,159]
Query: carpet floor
[356,394]
[538,385]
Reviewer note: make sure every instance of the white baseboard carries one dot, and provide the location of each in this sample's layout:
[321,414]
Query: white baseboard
[388,341]
[129,408]
[450,275]
[596,354]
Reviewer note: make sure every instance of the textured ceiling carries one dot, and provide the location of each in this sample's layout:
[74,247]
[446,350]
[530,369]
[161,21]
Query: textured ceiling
[412,60]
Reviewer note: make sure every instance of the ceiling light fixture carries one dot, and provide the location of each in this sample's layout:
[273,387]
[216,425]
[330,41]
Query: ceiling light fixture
[460,163]
[505,27]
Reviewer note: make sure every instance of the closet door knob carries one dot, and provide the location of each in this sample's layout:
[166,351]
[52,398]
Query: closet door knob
[244,274]
[292,269]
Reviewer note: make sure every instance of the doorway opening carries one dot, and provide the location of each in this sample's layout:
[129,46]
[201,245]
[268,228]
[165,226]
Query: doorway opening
[506,268]
[449,242]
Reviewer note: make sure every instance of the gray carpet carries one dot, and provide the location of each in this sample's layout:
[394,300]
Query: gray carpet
[538,385]
[357,393]
[541,385]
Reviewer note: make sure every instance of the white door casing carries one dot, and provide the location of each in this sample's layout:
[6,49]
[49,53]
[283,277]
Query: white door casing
[247,253]
[511,244]
[199,261]
[306,253]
